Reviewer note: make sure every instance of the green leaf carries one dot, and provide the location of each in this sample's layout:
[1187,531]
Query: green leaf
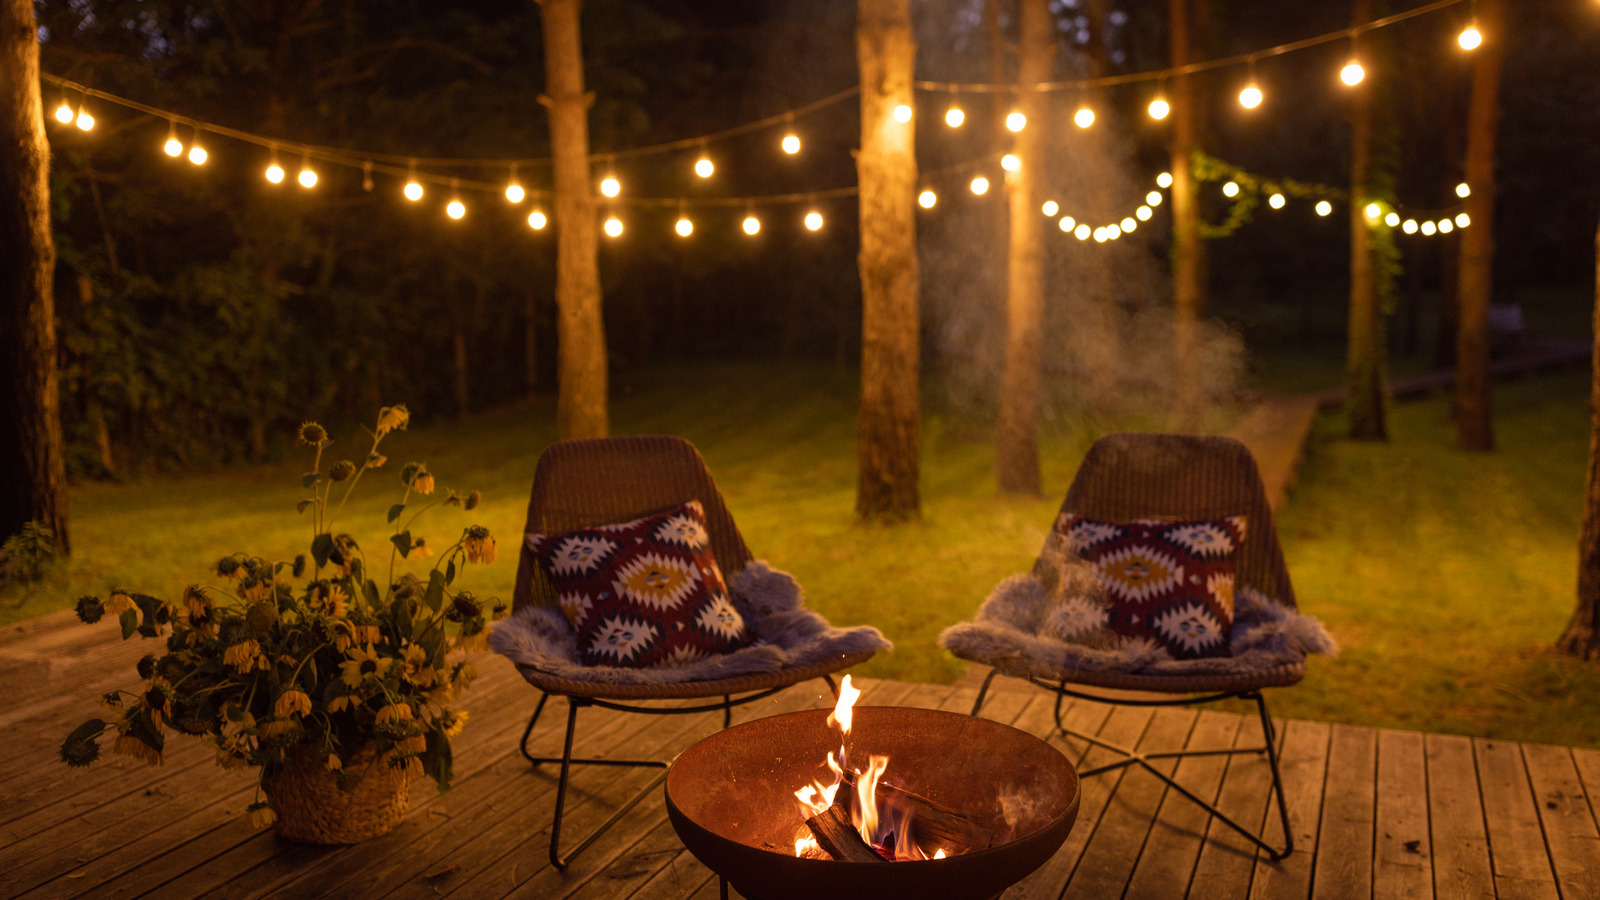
[322,548]
[370,588]
[434,595]
[402,542]
[310,478]
[130,622]
[301,506]
[402,617]
[396,510]
[437,760]
[450,571]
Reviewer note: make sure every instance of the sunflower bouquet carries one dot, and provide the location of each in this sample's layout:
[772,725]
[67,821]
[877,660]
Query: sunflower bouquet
[329,669]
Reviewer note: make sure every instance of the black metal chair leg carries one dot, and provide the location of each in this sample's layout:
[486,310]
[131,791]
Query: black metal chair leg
[983,692]
[727,711]
[1277,777]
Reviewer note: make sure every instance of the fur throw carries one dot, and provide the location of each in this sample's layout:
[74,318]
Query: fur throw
[786,635]
[1012,634]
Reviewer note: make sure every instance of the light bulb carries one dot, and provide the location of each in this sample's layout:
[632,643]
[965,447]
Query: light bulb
[1428,228]
[537,220]
[1470,37]
[954,117]
[752,225]
[1153,198]
[1463,220]
[902,113]
[1010,163]
[684,228]
[791,144]
[1050,207]
[1463,190]
[813,220]
[610,186]
[173,147]
[1250,97]
[308,178]
[1392,219]
[1067,224]
[1231,189]
[197,155]
[613,226]
[1276,201]
[64,113]
[515,193]
[1324,207]
[703,167]
[1084,117]
[1016,121]
[1144,213]
[275,173]
[1373,210]
[1446,226]
[1128,224]
[1409,226]
[1164,179]
[455,209]
[413,191]
[980,185]
[1081,232]
[1113,232]
[1160,108]
[85,121]
[1100,235]
[1352,73]
[927,199]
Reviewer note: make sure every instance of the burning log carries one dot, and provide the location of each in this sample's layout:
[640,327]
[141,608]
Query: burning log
[839,838]
[933,826]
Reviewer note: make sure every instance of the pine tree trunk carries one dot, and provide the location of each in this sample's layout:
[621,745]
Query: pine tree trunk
[530,344]
[1364,400]
[1188,252]
[33,480]
[886,168]
[1582,637]
[1474,425]
[1017,432]
[580,329]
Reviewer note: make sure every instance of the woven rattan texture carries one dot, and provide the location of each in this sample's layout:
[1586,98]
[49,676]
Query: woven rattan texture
[581,484]
[312,810]
[686,689]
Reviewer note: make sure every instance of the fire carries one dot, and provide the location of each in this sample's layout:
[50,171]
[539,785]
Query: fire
[848,696]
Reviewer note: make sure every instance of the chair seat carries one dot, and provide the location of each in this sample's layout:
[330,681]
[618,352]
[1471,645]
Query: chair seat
[682,690]
[1283,675]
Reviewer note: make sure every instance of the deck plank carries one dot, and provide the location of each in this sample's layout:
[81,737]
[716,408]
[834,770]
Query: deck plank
[1522,867]
[1173,847]
[1403,856]
[1461,866]
[1304,764]
[1349,805]
[1569,823]
[1226,866]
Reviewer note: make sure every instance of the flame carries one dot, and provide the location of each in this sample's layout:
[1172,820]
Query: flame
[842,710]
[804,845]
[865,813]
[937,854]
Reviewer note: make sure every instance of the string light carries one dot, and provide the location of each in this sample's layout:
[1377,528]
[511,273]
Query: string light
[980,185]
[64,113]
[413,188]
[455,209]
[366,175]
[613,227]
[84,120]
[173,147]
[703,166]
[1128,224]
[902,114]
[610,186]
[813,220]
[537,220]
[684,227]
[514,191]
[1463,190]
[1373,210]
[1470,37]
[751,225]
[1463,220]
[1276,201]
[1144,213]
[1084,117]
[1251,96]
[1010,163]
[197,153]
[1392,219]
[927,199]
[1353,73]
[274,171]
[1324,207]
[1231,189]
[1113,232]
[1409,226]
[1164,180]
[1051,207]
[1160,108]
[954,117]
[1446,226]
[1100,235]
[1154,197]
[1429,228]
[307,177]
[1016,121]
[1066,223]
[1081,232]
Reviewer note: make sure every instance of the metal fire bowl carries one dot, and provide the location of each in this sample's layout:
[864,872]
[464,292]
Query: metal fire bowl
[731,800]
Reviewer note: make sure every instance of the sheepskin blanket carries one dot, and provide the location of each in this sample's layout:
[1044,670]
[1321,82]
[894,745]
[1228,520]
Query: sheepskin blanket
[786,634]
[1012,633]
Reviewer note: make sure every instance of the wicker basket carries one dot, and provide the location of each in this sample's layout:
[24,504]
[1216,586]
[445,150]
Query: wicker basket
[311,809]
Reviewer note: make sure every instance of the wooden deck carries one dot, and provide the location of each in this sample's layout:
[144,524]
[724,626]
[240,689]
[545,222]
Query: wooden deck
[1376,813]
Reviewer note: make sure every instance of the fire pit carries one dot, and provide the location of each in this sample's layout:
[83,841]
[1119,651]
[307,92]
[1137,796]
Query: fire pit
[732,800]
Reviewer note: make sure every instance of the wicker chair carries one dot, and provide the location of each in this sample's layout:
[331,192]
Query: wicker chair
[1129,476]
[584,483]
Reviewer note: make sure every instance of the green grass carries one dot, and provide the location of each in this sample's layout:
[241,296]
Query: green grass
[1445,575]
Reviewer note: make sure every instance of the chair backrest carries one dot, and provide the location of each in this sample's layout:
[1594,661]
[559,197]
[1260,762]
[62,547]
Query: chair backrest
[581,484]
[1182,476]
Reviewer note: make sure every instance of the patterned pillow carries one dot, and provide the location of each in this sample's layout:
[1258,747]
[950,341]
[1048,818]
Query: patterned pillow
[642,593]
[1167,582]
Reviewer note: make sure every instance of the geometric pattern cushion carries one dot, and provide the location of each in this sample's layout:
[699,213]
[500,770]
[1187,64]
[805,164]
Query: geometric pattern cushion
[1167,582]
[642,593]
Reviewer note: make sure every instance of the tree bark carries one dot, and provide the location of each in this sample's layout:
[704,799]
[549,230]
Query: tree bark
[1188,252]
[581,410]
[33,475]
[886,168]
[1364,350]
[1474,424]
[1582,637]
[1017,432]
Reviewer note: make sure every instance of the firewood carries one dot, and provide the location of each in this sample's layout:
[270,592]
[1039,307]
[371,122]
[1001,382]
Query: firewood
[836,835]
[933,825]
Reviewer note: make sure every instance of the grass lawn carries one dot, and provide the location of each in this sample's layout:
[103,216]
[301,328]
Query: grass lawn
[1445,576]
